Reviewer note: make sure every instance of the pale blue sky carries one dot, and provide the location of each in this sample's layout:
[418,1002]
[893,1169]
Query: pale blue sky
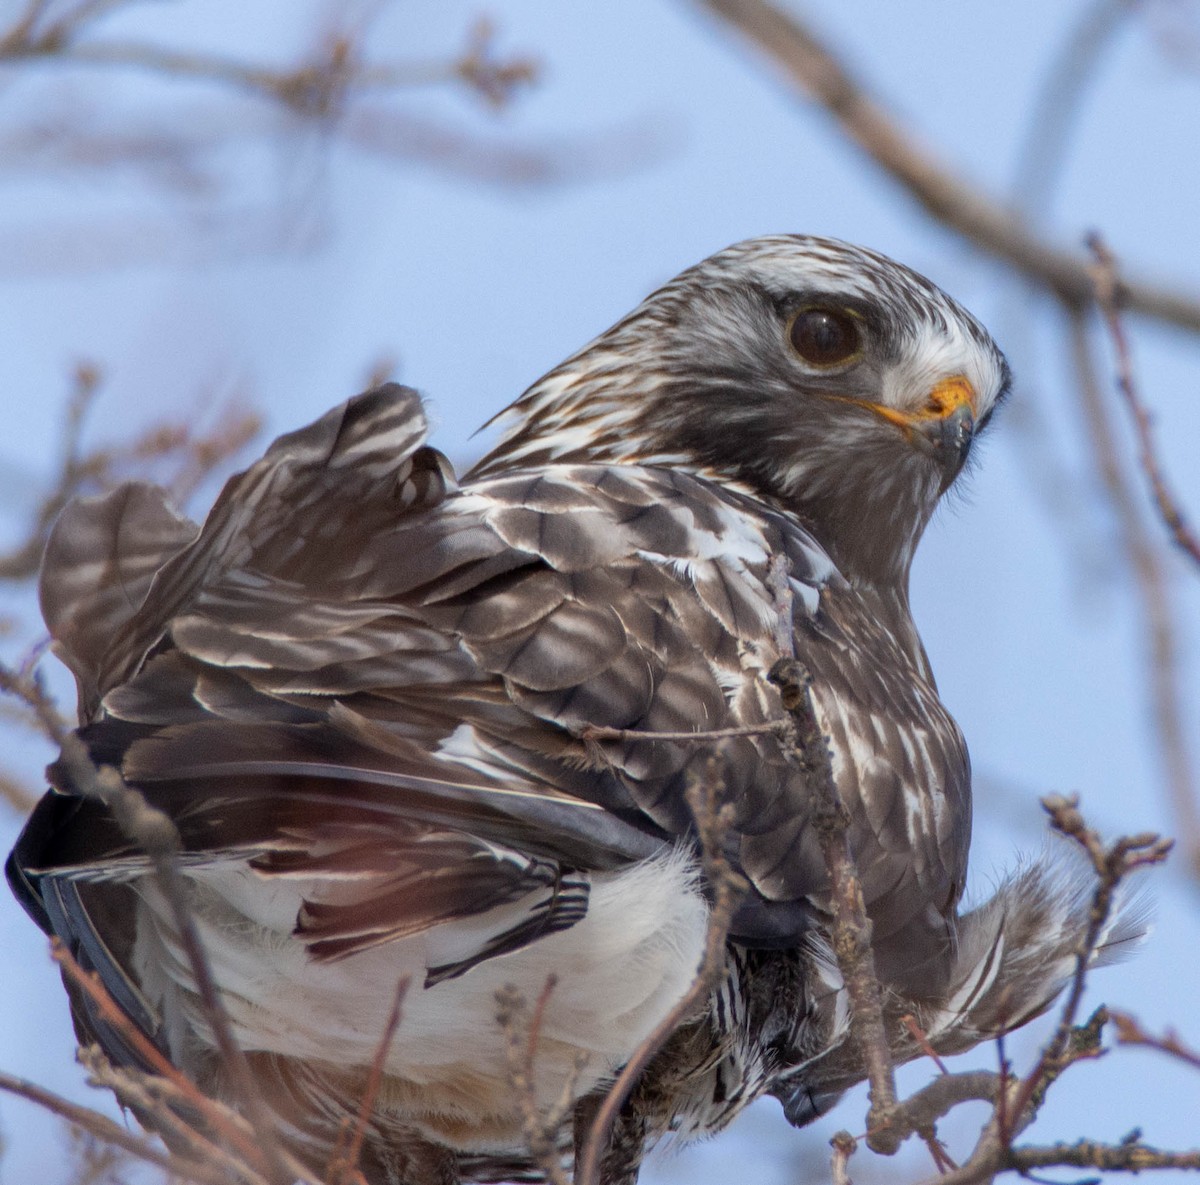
[476,288]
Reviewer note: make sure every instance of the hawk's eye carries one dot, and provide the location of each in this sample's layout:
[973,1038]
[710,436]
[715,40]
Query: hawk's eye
[825,337]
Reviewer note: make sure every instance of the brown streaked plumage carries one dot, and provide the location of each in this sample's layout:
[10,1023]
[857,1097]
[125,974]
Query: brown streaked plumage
[362,691]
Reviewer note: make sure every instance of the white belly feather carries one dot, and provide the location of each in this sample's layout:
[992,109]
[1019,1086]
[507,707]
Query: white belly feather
[619,970]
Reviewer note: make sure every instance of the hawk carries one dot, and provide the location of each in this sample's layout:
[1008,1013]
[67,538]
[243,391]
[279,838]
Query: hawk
[408,726]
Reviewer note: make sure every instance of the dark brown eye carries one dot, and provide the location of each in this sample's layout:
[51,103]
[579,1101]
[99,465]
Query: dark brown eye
[825,337]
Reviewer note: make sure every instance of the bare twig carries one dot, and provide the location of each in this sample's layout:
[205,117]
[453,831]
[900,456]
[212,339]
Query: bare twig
[1130,1156]
[851,928]
[161,1094]
[1017,1100]
[1108,297]
[1056,108]
[1112,864]
[713,819]
[601,732]
[316,88]
[1130,1032]
[919,1036]
[189,457]
[154,1100]
[23,561]
[844,1146]
[112,1014]
[1054,114]
[19,797]
[1146,564]
[343,1166]
[155,834]
[542,1130]
[113,1133]
[95,1162]
[988,225]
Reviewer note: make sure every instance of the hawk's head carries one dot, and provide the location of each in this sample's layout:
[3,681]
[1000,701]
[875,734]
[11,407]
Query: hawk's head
[823,376]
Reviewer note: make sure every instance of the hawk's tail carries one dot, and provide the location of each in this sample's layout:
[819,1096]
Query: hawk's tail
[1019,949]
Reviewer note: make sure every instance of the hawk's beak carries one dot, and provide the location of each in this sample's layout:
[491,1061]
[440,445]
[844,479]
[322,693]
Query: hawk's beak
[944,426]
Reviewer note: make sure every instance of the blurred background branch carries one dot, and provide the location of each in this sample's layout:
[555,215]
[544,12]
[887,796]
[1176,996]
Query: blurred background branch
[822,76]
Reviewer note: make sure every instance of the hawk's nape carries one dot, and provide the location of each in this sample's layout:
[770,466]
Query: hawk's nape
[366,694]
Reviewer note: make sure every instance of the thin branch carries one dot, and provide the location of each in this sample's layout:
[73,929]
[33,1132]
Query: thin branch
[713,820]
[72,21]
[1150,580]
[919,1035]
[1130,1032]
[151,1098]
[844,1146]
[602,732]
[1054,112]
[189,457]
[542,1131]
[22,28]
[156,835]
[1112,865]
[1128,1156]
[73,472]
[1018,1100]
[94,1162]
[113,1133]
[313,89]
[165,1094]
[985,223]
[851,928]
[1108,297]
[343,1165]
[107,1009]
[19,797]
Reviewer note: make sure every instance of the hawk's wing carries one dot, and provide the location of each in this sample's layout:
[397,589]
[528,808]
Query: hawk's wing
[358,672]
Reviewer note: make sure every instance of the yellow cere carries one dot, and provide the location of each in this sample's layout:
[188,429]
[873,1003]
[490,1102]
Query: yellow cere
[946,398]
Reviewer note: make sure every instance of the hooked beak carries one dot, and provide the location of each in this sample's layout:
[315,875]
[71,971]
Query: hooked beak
[944,427]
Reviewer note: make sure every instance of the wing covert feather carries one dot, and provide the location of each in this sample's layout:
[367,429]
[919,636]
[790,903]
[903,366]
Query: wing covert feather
[470,637]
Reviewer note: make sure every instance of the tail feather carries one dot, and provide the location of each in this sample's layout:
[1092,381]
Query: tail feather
[1018,950]
[1015,954]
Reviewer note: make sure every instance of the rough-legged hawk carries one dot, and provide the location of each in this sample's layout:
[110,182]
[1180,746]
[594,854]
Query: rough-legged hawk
[368,696]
